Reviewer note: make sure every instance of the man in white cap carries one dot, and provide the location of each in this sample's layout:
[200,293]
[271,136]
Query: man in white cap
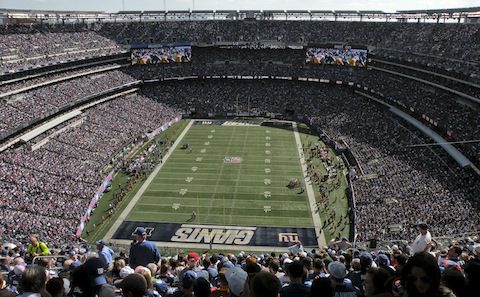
[423,242]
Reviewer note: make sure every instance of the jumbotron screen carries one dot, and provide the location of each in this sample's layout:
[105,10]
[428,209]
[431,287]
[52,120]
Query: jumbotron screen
[162,55]
[344,56]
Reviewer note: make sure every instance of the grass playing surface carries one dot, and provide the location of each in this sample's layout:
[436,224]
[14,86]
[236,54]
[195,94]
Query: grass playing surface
[250,193]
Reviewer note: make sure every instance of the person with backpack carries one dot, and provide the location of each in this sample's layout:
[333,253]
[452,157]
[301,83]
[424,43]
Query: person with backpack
[36,248]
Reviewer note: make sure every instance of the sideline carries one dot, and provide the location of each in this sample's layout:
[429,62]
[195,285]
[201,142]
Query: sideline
[206,246]
[317,223]
[133,202]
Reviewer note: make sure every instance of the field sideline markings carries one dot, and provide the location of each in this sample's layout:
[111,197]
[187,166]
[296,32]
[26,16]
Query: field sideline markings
[249,170]
[206,246]
[143,188]
[265,217]
[220,177]
[178,158]
[317,223]
[233,165]
[203,185]
[232,208]
[278,208]
[215,199]
[149,191]
[204,173]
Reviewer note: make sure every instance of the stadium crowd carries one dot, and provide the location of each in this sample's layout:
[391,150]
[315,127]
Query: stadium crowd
[24,47]
[339,270]
[455,117]
[19,85]
[422,43]
[51,181]
[395,168]
[43,101]
[223,96]
[46,186]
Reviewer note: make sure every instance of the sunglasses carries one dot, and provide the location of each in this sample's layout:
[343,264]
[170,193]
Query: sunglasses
[423,279]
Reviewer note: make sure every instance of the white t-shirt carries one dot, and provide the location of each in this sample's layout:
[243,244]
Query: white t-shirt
[421,242]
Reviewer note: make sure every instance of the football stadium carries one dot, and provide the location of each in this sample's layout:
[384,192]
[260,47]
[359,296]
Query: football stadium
[239,152]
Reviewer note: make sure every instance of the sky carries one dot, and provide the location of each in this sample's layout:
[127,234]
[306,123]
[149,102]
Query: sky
[117,5]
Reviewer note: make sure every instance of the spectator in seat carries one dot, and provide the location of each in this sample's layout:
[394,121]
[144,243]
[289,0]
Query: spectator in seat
[105,254]
[472,272]
[201,287]
[4,292]
[321,287]
[133,285]
[338,272]
[455,281]
[55,287]
[296,288]
[265,284]
[376,283]
[236,278]
[89,280]
[33,281]
[421,277]
[222,290]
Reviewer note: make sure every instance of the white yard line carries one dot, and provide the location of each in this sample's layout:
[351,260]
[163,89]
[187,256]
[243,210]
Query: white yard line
[284,188]
[145,185]
[317,223]
[243,175]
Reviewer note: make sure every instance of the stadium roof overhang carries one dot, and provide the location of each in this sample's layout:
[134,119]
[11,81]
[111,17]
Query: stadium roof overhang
[137,15]
[441,11]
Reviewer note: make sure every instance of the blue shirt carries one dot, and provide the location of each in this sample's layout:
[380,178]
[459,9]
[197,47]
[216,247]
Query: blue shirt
[143,253]
[106,256]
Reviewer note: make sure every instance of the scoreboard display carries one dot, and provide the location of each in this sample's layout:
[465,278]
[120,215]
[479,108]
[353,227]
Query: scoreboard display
[337,55]
[161,55]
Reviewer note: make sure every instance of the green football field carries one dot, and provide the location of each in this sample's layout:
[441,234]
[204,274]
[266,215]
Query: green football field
[229,175]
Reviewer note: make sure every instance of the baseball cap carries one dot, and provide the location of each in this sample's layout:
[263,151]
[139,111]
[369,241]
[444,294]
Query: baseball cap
[236,278]
[101,241]
[382,259]
[188,278]
[193,255]
[423,226]
[228,264]
[94,269]
[337,270]
[125,271]
[366,259]
[134,283]
[189,274]
[140,231]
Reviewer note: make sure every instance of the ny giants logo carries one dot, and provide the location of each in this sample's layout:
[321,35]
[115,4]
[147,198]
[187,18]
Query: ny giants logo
[232,235]
[288,237]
